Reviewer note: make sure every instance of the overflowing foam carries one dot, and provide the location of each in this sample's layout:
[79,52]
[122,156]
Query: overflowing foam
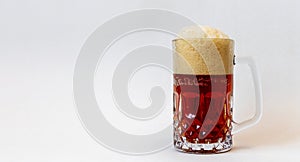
[203,51]
[191,32]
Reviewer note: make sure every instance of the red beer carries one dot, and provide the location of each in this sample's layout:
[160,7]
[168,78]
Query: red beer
[202,107]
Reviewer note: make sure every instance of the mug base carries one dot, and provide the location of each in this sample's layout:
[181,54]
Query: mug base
[182,145]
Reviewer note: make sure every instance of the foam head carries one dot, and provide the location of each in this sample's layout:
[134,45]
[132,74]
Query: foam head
[191,32]
[203,50]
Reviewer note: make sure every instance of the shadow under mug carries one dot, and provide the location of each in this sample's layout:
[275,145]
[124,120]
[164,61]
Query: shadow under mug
[203,95]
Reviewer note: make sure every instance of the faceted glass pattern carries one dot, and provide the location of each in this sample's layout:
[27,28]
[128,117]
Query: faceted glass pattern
[202,113]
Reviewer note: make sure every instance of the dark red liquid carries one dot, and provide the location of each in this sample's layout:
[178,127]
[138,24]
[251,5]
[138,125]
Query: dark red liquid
[202,106]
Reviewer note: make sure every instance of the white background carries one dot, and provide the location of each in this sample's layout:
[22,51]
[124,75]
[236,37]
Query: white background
[39,44]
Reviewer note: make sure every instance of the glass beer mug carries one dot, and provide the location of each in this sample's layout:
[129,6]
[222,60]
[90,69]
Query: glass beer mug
[203,95]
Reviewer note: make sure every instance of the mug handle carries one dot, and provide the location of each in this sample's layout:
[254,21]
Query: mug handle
[258,94]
